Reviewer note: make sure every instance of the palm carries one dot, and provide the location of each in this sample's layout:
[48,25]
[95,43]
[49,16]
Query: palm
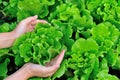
[50,68]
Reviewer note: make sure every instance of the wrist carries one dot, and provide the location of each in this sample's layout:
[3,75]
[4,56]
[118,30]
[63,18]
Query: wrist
[15,33]
[27,68]
[22,74]
[7,39]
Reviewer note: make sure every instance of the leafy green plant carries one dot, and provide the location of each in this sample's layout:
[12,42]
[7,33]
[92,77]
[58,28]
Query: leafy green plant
[38,46]
[88,29]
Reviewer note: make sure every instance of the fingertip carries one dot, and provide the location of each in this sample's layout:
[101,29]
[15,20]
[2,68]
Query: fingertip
[63,52]
[36,16]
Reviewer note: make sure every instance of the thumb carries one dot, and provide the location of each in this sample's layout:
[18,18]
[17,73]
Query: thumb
[60,57]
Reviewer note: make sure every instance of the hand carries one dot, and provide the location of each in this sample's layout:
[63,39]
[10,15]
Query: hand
[27,25]
[48,70]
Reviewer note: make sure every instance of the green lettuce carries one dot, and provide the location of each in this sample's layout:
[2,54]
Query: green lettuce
[83,58]
[38,46]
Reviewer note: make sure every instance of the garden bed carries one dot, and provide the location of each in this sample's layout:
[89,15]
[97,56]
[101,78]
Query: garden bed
[89,31]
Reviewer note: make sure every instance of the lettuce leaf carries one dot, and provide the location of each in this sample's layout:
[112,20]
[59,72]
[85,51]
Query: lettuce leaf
[38,46]
[82,45]
[3,67]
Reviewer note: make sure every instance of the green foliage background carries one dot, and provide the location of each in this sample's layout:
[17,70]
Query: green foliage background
[89,30]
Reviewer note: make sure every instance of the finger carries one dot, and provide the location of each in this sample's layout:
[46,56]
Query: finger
[49,75]
[52,69]
[29,19]
[31,28]
[42,21]
[57,59]
[43,71]
[39,21]
[60,57]
[52,62]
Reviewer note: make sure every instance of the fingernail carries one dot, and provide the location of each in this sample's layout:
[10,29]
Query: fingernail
[63,51]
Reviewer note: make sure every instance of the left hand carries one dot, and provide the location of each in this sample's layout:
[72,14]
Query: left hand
[45,71]
[27,25]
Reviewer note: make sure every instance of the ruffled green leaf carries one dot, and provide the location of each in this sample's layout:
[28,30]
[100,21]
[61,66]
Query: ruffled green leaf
[61,70]
[4,69]
[83,45]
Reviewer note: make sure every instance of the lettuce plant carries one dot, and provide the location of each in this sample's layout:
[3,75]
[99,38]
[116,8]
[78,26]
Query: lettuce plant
[88,29]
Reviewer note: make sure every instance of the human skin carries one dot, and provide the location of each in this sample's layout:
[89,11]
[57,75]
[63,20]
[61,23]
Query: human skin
[29,70]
